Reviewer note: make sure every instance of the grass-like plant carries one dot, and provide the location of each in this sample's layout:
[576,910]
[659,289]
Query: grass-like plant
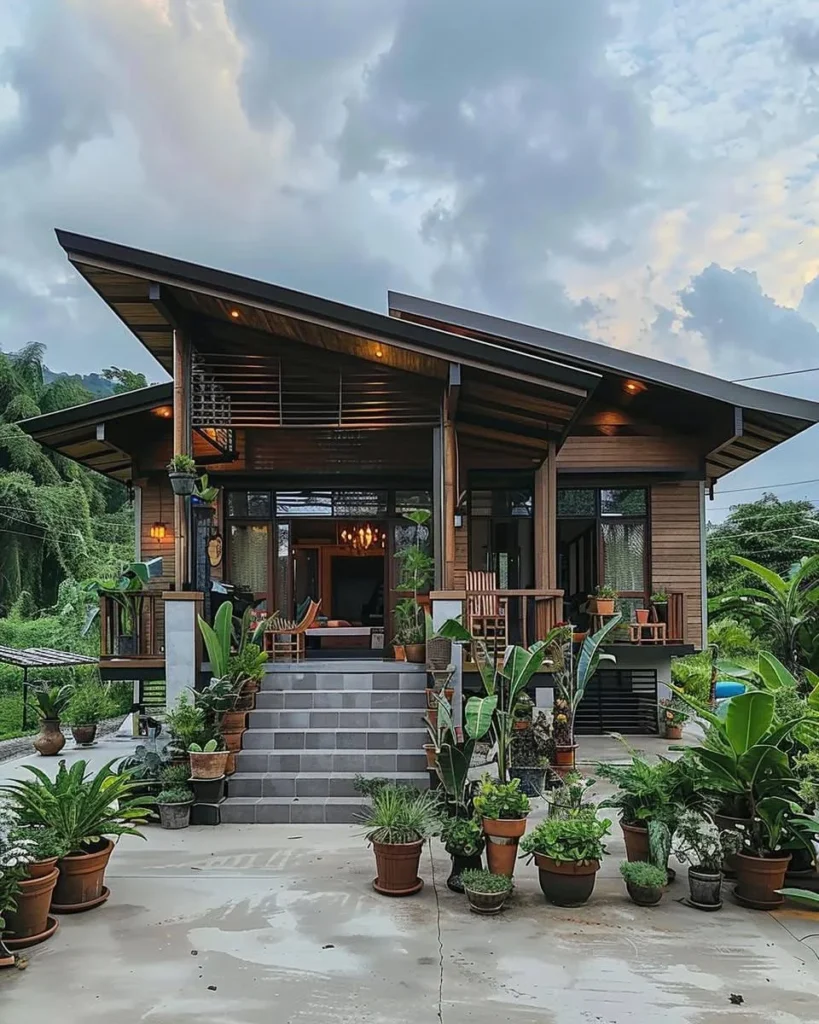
[478,880]
[51,701]
[81,808]
[400,814]
[643,875]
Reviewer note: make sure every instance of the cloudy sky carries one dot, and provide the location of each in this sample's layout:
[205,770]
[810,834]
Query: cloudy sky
[639,173]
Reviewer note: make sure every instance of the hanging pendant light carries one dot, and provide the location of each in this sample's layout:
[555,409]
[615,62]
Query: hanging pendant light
[362,537]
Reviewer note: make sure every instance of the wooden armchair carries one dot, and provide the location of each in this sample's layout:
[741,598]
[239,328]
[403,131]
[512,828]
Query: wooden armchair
[284,640]
[486,617]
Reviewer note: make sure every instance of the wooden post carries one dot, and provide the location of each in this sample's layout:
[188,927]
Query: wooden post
[545,534]
[181,446]
[450,498]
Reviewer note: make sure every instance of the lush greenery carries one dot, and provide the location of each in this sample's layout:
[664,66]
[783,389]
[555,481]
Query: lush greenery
[401,814]
[462,836]
[89,704]
[479,880]
[174,795]
[643,875]
[698,842]
[577,837]
[496,800]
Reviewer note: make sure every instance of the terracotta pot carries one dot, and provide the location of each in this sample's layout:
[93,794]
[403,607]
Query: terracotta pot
[605,606]
[33,904]
[460,863]
[397,868]
[84,734]
[636,837]
[486,902]
[233,721]
[578,638]
[208,766]
[723,822]
[175,816]
[400,652]
[448,692]
[49,740]
[230,764]
[80,885]
[641,615]
[673,732]
[502,838]
[233,739]
[250,686]
[758,878]
[522,723]
[244,702]
[568,884]
[432,754]
[41,868]
[416,653]
[432,717]
[565,756]
[644,896]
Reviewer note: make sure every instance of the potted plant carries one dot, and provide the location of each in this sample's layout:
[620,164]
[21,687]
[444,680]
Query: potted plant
[673,715]
[397,823]
[127,592]
[208,761]
[84,811]
[145,767]
[643,796]
[645,882]
[28,922]
[659,601]
[641,615]
[415,574]
[186,724]
[604,598]
[568,852]
[204,493]
[174,804]
[89,704]
[464,841]
[182,474]
[51,701]
[15,855]
[503,809]
[530,755]
[567,798]
[486,892]
[699,843]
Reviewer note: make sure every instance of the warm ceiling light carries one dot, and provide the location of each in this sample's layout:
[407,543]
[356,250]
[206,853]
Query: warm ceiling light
[378,353]
[158,531]
[164,412]
[235,314]
[633,387]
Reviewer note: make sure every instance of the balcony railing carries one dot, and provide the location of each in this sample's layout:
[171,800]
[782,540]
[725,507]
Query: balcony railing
[129,633]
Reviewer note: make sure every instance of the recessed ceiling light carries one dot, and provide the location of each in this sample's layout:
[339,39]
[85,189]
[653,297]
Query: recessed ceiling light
[633,387]
[164,412]
[235,314]
[379,353]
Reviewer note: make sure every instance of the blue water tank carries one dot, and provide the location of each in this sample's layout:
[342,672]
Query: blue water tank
[728,688]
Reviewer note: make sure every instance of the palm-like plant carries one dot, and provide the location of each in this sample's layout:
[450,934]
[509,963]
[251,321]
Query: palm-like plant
[784,607]
[81,808]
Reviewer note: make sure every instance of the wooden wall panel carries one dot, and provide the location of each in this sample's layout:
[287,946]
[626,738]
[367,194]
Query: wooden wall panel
[592,453]
[676,548]
[461,555]
[339,451]
[154,510]
[155,455]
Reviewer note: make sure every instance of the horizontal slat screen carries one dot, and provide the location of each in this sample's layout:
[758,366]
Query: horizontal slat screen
[676,554]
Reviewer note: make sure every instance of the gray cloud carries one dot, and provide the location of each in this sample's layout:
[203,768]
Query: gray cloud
[730,310]
[809,304]
[803,41]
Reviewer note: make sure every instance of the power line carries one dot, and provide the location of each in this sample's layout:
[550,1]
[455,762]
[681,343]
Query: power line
[768,376]
[761,487]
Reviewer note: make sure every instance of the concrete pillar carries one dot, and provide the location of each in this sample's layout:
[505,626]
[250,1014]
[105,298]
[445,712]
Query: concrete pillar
[442,610]
[183,642]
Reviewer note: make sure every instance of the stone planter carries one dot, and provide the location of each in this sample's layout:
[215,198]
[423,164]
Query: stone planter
[173,816]
[705,888]
[49,741]
[182,484]
[568,884]
[502,839]
[397,868]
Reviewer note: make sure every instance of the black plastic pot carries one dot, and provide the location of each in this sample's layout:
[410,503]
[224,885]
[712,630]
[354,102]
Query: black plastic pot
[182,484]
[207,791]
[461,863]
[643,895]
[568,884]
[531,779]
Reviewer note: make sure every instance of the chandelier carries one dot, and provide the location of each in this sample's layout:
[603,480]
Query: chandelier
[362,537]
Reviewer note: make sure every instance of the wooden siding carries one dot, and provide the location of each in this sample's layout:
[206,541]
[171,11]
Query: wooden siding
[592,453]
[676,548]
[153,511]
[339,451]
[156,456]
[461,555]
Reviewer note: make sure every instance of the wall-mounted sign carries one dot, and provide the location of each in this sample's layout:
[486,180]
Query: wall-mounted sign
[215,550]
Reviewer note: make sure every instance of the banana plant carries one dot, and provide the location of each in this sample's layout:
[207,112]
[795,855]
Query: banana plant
[224,635]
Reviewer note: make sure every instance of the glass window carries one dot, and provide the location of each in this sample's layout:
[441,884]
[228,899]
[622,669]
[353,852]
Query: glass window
[248,505]
[248,557]
[624,546]
[623,502]
[408,501]
[237,504]
[501,503]
[313,504]
[577,502]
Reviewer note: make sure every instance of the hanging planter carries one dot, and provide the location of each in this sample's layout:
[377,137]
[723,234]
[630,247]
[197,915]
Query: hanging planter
[182,474]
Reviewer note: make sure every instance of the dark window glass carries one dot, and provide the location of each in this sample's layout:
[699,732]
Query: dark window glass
[408,501]
[313,504]
[359,503]
[237,504]
[623,502]
[258,505]
[576,502]
[501,503]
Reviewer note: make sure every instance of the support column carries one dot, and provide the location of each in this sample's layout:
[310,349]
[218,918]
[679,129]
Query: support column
[183,642]
[546,522]
[450,501]
[181,446]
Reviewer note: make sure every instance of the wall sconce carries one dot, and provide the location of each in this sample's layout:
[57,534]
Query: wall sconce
[158,531]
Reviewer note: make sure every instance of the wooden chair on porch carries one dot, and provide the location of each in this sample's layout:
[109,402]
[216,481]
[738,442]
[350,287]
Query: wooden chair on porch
[284,640]
[486,617]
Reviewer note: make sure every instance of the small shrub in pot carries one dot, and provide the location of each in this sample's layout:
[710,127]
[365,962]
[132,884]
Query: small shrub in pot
[568,852]
[645,882]
[699,843]
[486,892]
[174,804]
[503,809]
[464,841]
[398,823]
[88,706]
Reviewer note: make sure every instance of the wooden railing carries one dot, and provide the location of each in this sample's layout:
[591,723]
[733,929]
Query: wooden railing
[510,616]
[122,640]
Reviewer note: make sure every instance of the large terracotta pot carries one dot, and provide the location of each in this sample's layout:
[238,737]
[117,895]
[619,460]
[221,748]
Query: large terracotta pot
[84,734]
[80,885]
[41,868]
[209,766]
[233,721]
[726,821]
[502,838]
[636,837]
[230,764]
[565,756]
[432,754]
[49,740]
[397,868]
[568,884]
[416,653]
[758,878]
[29,922]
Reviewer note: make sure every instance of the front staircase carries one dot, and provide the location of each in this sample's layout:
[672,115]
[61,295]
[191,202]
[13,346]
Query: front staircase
[318,725]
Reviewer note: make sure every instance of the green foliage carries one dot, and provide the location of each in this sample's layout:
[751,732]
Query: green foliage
[568,797]
[462,836]
[399,814]
[204,492]
[644,790]
[89,704]
[174,776]
[182,464]
[51,701]
[698,842]
[174,795]
[659,597]
[501,799]
[124,380]
[81,808]
[145,765]
[42,843]
[643,875]
[605,592]
[416,570]
[211,747]
[186,722]
[575,838]
[481,881]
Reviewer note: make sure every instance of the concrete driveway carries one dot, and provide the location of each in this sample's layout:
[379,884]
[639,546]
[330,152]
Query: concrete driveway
[273,923]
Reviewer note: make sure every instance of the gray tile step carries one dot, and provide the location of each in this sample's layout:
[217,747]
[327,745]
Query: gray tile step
[337,700]
[312,784]
[281,810]
[343,680]
[334,739]
[345,718]
[376,762]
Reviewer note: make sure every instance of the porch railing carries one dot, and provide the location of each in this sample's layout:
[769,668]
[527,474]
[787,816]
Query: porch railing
[122,639]
[524,616]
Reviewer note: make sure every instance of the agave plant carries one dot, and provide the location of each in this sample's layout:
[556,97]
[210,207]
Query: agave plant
[82,808]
